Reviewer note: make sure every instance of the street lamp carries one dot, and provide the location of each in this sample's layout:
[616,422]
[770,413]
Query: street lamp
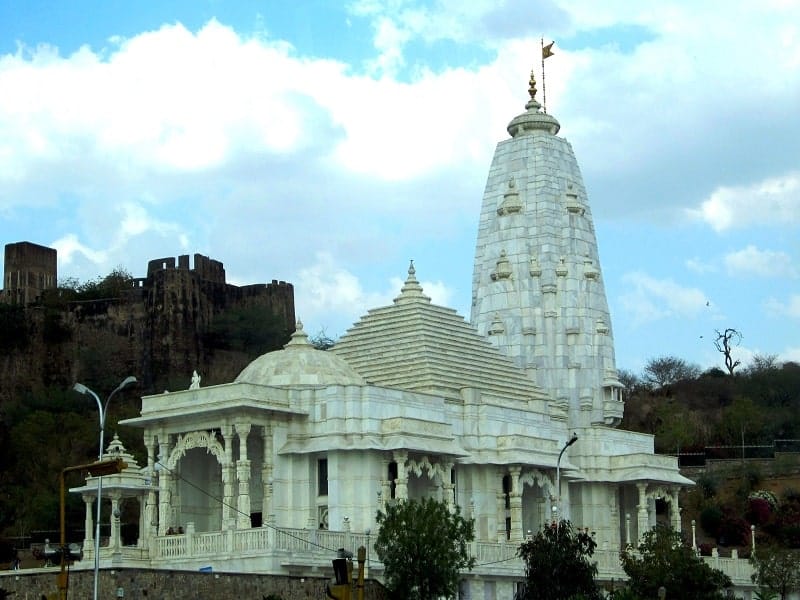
[82,389]
[569,443]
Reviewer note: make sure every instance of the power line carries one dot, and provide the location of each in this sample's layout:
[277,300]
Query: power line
[235,509]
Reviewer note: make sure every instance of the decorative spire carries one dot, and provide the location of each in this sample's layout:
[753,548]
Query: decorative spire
[532,86]
[299,337]
[533,119]
[411,289]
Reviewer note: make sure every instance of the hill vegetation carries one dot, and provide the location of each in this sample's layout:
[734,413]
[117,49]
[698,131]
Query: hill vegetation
[97,333]
[737,435]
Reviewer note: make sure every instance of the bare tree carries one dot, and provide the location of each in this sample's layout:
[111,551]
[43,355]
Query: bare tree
[763,362]
[322,341]
[665,370]
[725,343]
[629,380]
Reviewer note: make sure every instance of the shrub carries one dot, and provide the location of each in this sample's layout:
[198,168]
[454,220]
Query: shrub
[708,485]
[759,511]
[733,530]
[710,519]
[766,496]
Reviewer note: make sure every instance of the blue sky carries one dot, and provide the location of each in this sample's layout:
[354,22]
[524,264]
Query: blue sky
[327,144]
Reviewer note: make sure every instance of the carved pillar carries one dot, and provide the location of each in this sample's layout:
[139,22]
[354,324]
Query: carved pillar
[627,529]
[516,504]
[163,487]
[615,525]
[401,491]
[266,473]
[448,487]
[501,505]
[674,510]
[385,491]
[114,543]
[148,525]
[228,519]
[88,523]
[643,519]
[243,478]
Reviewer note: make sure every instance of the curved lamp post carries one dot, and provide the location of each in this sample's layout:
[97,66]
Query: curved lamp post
[102,408]
[569,443]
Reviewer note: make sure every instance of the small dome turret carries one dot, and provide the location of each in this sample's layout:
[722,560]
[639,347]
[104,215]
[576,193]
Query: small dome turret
[299,363]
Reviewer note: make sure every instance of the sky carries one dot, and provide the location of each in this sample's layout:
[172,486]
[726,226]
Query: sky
[327,144]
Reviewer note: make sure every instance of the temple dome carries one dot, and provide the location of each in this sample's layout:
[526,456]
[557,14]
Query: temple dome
[299,363]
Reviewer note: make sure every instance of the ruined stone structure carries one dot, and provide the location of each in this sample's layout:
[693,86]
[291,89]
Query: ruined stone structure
[160,329]
[30,270]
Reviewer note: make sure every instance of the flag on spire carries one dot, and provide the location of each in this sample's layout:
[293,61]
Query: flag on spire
[547,51]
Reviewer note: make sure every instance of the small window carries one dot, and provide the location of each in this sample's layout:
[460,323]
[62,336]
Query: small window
[322,477]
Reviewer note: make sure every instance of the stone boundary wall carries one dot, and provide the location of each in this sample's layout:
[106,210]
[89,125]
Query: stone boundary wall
[32,584]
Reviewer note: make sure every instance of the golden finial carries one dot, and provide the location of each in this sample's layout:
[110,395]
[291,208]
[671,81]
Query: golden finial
[532,86]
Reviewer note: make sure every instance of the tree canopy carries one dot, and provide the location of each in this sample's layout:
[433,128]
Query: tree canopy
[776,570]
[665,370]
[663,559]
[423,547]
[558,565]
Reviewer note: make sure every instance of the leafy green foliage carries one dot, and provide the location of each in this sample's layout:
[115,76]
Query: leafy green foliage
[663,559]
[776,570]
[13,328]
[558,565]
[113,285]
[423,547]
[666,370]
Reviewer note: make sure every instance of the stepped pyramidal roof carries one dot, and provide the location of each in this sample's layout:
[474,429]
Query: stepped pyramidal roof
[418,346]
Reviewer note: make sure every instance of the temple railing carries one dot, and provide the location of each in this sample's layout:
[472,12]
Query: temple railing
[499,558]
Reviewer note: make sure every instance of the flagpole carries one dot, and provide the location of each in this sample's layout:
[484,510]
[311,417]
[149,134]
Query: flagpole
[544,89]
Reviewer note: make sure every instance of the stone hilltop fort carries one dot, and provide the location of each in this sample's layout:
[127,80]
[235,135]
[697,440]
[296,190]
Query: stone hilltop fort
[157,326]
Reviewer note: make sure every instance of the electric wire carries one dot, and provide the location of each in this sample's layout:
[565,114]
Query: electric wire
[282,531]
[235,509]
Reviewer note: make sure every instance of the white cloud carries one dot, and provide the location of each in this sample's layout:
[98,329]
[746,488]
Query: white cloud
[791,354]
[68,246]
[700,266]
[649,299]
[773,201]
[789,308]
[329,291]
[760,263]
[330,297]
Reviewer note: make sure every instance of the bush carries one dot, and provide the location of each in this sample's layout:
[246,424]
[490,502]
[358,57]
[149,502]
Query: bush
[759,511]
[733,530]
[710,520]
[708,485]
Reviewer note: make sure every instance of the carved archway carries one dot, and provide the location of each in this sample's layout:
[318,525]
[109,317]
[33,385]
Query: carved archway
[196,439]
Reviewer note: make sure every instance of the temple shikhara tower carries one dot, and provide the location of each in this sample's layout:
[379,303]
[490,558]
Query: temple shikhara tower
[537,287]
[512,416]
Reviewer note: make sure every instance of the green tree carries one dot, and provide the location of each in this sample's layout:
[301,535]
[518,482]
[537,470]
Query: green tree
[740,420]
[676,428]
[423,547]
[777,570]
[666,370]
[663,559]
[558,565]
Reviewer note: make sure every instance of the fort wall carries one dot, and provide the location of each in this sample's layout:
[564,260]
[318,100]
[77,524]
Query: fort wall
[29,270]
[179,318]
